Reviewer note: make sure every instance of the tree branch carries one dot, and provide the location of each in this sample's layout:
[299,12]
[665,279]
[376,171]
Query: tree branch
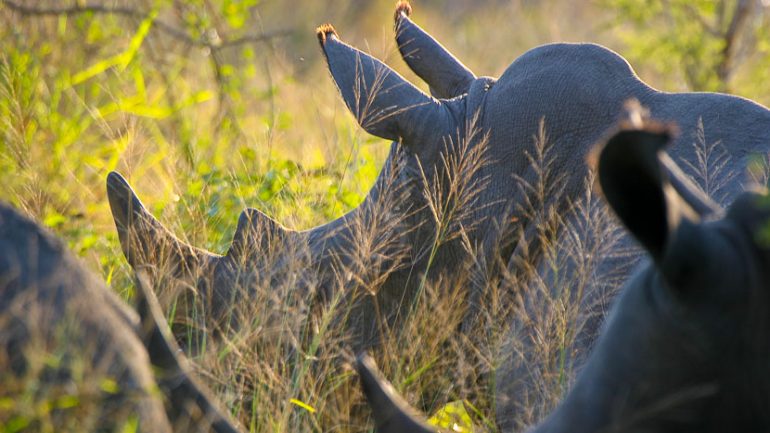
[133,13]
[743,9]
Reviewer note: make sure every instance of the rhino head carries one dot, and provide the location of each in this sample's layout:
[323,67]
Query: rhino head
[426,195]
[685,347]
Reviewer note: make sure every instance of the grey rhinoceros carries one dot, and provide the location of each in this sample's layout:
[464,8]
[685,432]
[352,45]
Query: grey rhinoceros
[70,344]
[477,170]
[685,347]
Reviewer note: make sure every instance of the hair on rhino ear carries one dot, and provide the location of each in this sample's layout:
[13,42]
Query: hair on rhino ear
[189,404]
[383,102]
[143,239]
[325,30]
[636,184]
[446,76]
[391,413]
[402,8]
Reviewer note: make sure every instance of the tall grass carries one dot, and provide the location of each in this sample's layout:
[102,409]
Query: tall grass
[203,132]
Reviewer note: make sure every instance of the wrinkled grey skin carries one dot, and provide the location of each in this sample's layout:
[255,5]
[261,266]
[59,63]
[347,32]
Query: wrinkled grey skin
[685,347]
[47,295]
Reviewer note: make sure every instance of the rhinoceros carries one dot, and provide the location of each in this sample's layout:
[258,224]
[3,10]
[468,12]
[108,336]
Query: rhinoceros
[70,344]
[477,169]
[576,89]
[685,347]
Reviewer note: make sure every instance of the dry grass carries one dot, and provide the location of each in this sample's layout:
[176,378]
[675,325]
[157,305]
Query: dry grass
[283,365]
[254,127]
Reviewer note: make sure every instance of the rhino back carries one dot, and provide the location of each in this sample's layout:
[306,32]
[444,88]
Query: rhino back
[51,308]
[578,90]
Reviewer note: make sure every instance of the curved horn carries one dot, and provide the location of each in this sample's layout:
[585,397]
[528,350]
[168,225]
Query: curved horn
[384,103]
[188,401]
[255,232]
[391,413]
[446,76]
[143,238]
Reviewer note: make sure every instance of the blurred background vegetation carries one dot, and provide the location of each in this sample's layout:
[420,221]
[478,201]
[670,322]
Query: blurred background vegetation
[209,106]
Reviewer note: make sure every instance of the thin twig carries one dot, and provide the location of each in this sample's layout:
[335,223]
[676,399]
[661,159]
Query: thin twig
[133,13]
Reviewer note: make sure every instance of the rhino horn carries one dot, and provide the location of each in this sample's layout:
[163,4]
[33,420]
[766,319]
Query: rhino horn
[143,239]
[188,401]
[384,103]
[637,187]
[391,413]
[256,232]
[446,76]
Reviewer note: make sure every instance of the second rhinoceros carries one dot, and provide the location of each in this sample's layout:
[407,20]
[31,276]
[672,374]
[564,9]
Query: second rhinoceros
[74,357]
[685,348]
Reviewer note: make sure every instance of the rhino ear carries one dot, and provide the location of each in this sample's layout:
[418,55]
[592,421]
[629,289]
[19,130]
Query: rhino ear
[636,185]
[144,240]
[384,103]
[446,76]
[256,232]
[391,413]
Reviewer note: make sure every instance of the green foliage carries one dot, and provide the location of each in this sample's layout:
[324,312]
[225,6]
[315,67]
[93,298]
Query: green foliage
[705,45]
[119,61]
[65,125]
[236,12]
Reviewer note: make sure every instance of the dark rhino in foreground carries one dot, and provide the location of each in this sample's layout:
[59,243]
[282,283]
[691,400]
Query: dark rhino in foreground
[685,347]
[460,186]
[74,357]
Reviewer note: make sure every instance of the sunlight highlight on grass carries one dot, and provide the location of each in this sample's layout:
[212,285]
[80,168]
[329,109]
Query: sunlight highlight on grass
[453,416]
[303,405]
